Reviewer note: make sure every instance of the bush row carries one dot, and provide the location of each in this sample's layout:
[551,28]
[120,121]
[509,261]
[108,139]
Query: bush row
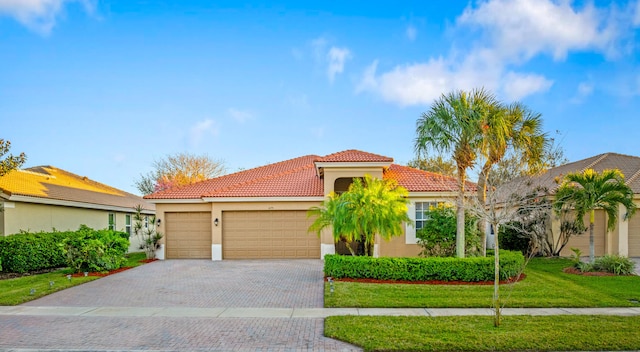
[25,252]
[423,269]
[82,250]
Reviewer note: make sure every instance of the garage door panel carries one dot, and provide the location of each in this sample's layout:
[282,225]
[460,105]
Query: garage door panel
[268,234]
[188,235]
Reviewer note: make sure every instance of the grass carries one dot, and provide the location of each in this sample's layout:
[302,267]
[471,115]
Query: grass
[545,286]
[18,290]
[476,333]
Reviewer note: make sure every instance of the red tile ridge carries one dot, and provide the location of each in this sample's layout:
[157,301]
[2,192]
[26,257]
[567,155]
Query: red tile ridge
[354,155]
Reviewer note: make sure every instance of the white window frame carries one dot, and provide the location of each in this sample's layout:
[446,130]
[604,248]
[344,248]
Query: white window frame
[111,224]
[127,224]
[410,229]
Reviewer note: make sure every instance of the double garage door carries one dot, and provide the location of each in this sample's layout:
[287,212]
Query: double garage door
[245,235]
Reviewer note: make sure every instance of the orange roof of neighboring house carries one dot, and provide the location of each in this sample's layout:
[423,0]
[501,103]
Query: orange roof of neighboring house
[48,182]
[298,178]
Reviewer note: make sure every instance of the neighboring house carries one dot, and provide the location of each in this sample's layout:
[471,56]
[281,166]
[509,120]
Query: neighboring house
[43,198]
[262,212]
[625,238]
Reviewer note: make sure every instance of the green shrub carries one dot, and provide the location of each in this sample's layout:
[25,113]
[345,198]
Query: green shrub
[511,239]
[438,235]
[614,264]
[95,250]
[423,269]
[25,252]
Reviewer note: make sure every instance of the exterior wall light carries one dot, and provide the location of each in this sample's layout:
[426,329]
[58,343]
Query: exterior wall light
[158,222]
[216,222]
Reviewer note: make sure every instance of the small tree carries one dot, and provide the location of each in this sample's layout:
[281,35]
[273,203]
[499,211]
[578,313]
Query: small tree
[10,162]
[506,205]
[585,191]
[438,235]
[179,170]
[146,232]
[369,208]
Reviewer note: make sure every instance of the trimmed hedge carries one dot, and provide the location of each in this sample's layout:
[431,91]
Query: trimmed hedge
[423,269]
[25,252]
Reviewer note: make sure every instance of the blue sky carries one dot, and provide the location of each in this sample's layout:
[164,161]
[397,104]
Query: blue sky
[102,88]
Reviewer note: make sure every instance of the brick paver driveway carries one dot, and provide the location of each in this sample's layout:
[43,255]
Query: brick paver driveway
[183,284]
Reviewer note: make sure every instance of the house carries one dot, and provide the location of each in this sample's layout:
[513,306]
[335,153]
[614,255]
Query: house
[625,238]
[262,212]
[43,198]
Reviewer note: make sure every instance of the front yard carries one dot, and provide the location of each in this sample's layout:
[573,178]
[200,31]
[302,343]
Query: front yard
[27,288]
[545,286]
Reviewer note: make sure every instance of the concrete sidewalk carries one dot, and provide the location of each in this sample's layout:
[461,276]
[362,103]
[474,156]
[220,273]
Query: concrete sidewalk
[186,312]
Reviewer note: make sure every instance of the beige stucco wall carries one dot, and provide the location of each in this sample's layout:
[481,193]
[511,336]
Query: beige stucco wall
[32,217]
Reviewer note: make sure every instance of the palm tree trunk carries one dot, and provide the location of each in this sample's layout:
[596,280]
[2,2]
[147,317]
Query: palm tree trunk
[460,242]
[592,247]
[482,197]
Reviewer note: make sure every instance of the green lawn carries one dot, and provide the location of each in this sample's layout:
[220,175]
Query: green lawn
[476,333]
[18,290]
[545,286]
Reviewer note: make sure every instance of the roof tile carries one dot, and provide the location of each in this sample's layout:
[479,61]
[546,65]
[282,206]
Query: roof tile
[53,183]
[298,178]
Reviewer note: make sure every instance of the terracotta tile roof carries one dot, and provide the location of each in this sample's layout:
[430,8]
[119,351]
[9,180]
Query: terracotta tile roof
[353,155]
[627,164]
[415,180]
[298,178]
[263,181]
[53,183]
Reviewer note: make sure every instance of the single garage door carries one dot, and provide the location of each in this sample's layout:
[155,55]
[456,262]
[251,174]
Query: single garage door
[582,241]
[188,235]
[634,235]
[268,234]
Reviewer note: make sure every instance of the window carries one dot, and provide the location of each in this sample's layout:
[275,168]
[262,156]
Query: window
[421,209]
[112,221]
[127,224]
[417,214]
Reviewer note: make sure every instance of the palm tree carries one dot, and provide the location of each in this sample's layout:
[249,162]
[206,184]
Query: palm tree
[513,128]
[455,124]
[369,208]
[588,190]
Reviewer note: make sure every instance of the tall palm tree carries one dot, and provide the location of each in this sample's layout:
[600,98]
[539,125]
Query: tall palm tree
[514,128]
[455,124]
[369,208]
[588,190]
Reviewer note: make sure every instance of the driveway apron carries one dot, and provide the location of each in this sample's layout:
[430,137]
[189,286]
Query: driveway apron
[184,284]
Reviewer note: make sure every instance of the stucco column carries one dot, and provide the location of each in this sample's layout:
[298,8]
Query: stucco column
[327,246]
[623,232]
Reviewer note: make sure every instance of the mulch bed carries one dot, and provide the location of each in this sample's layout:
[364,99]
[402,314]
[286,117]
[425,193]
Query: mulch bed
[433,282]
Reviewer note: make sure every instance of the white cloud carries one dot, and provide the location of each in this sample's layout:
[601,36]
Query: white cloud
[421,83]
[511,33]
[411,32]
[39,15]
[240,115]
[584,90]
[202,129]
[337,58]
[521,29]
[333,58]
[517,86]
